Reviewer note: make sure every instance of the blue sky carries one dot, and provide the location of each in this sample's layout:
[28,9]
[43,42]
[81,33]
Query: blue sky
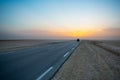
[23,18]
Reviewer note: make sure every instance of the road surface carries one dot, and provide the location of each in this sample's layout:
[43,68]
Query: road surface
[38,63]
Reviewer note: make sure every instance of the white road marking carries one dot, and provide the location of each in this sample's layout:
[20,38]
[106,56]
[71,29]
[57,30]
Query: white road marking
[41,76]
[72,48]
[66,54]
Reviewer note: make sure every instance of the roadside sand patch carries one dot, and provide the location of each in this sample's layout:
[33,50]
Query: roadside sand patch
[89,62]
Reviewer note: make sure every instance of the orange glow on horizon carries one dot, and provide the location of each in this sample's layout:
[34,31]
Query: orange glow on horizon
[83,33]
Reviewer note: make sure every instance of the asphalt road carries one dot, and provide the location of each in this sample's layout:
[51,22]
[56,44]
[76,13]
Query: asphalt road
[39,63]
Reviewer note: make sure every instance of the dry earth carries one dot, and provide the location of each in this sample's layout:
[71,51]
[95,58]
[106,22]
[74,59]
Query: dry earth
[112,46]
[90,62]
[10,45]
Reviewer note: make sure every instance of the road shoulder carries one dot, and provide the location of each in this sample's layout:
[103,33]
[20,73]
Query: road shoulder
[89,62]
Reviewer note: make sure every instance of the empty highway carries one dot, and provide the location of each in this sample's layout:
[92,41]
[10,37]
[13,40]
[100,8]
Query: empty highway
[36,63]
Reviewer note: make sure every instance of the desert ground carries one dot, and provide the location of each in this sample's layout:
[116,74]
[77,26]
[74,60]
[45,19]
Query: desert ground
[92,60]
[10,45]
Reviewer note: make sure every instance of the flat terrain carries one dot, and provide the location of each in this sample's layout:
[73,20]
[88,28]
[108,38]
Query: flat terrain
[112,42]
[111,46]
[10,45]
[34,63]
[91,62]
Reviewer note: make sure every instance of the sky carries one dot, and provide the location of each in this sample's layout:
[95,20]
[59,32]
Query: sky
[60,19]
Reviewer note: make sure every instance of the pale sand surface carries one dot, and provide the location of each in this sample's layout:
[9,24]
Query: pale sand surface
[10,45]
[111,46]
[90,62]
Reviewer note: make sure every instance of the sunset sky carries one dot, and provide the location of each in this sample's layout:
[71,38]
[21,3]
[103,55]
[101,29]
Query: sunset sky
[59,19]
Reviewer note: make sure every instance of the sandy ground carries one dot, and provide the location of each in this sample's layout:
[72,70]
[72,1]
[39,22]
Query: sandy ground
[112,42]
[112,46]
[90,62]
[9,45]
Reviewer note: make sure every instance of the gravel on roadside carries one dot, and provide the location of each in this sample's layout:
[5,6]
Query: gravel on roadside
[90,62]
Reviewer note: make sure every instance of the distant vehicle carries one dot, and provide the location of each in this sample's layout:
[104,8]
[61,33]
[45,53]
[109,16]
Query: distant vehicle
[78,40]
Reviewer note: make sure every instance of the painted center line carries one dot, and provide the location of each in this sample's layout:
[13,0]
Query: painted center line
[72,48]
[41,76]
[66,54]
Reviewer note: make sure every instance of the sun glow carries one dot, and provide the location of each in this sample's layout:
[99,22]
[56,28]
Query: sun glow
[85,33]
